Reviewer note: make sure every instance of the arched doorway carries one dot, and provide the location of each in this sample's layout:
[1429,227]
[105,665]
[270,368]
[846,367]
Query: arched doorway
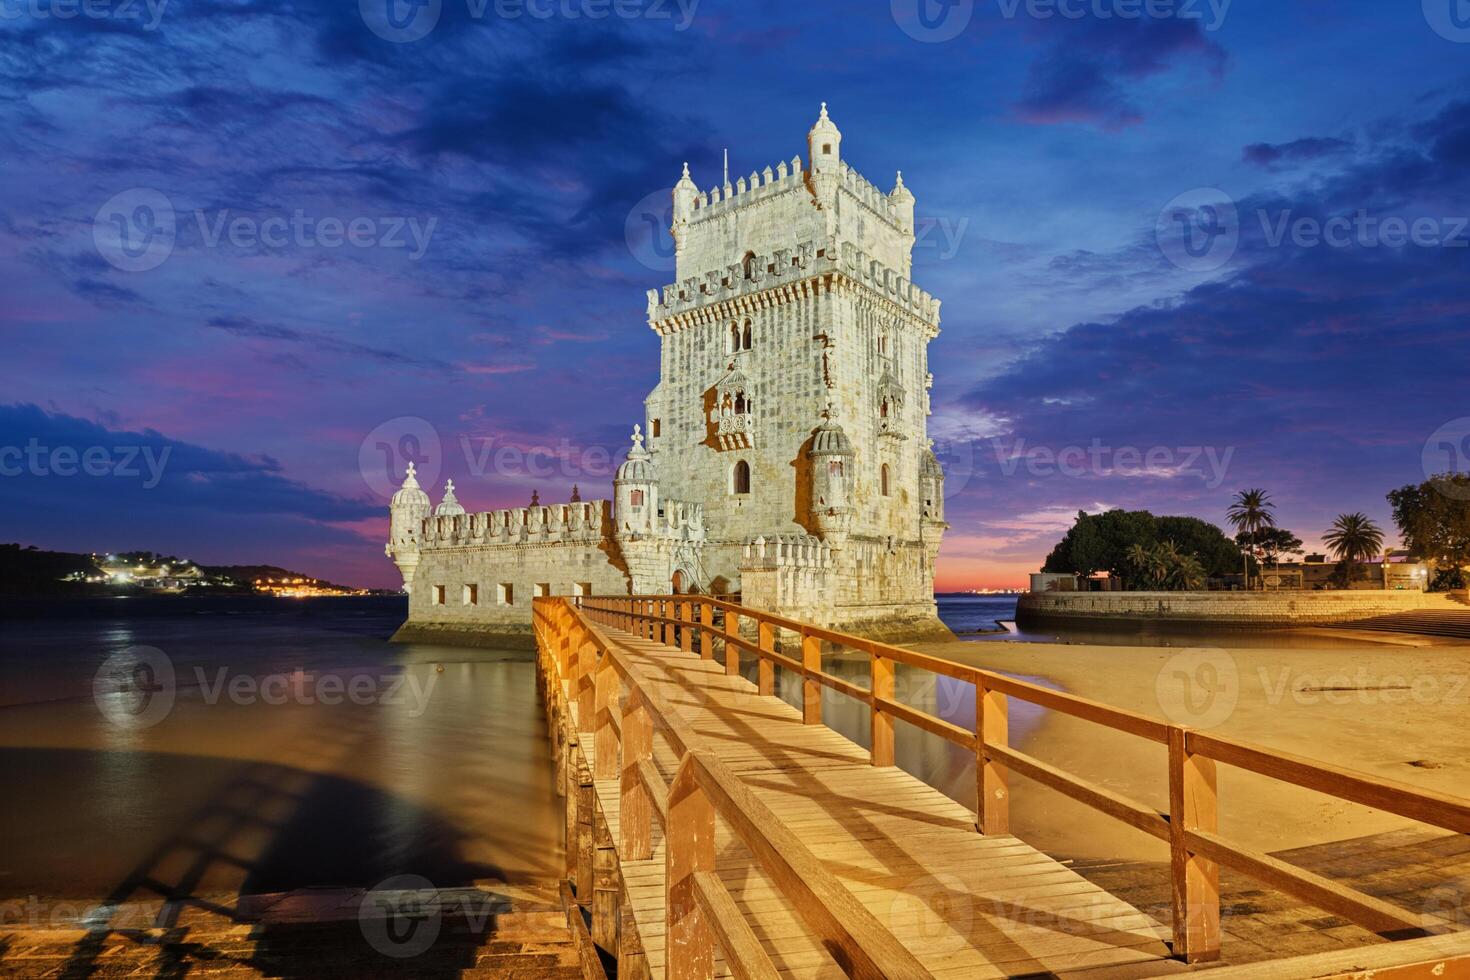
[679,582]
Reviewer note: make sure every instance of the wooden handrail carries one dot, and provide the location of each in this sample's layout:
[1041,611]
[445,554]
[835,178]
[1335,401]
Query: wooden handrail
[700,911]
[1190,826]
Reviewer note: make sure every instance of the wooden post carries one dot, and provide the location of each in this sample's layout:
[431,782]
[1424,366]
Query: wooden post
[686,629]
[992,727]
[1196,881]
[689,941]
[666,612]
[732,652]
[606,890]
[585,686]
[881,676]
[766,680]
[636,811]
[706,631]
[811,688]
[605,747]
[586,832]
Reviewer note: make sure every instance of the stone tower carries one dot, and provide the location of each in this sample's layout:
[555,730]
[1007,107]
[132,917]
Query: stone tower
[783,453]
[794,309]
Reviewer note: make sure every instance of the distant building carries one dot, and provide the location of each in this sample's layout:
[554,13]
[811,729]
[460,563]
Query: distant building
[785,455]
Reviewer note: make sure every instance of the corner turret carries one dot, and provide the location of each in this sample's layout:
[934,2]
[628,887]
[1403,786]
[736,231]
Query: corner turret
[831,458]
[824,149]
[407,512]
[635,491]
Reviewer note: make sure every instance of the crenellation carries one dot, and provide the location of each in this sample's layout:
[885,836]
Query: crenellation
[735,281]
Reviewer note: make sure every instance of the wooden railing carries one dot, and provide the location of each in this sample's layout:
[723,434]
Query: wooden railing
[1191,825]
[622,715]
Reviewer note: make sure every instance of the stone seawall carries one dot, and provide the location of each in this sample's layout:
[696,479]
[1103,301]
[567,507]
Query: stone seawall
[1221,610]
[493,635]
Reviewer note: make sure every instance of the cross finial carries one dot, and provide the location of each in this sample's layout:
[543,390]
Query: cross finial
[449,486]
[412,471]
[637,437]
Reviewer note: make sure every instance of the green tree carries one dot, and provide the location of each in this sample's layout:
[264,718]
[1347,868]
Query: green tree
[1126,543]
[1433,519]
[1273,543]
[1249,514]
[1354,538]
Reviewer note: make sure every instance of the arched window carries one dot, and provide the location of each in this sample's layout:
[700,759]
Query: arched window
[740,403]
[746,337]
[748,264]
[884,480]
[834,468]
[883,409]
[740,478]
[734,337]
[883,343]
[636,498]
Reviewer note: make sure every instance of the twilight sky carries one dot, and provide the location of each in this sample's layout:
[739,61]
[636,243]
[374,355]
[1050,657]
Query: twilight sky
[252,249]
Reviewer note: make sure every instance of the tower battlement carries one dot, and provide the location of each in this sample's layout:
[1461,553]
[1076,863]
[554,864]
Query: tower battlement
[743,283]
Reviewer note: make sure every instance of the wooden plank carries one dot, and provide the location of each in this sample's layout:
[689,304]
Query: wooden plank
[1428,806]
[1371,913]
[743,951]
[1135,814]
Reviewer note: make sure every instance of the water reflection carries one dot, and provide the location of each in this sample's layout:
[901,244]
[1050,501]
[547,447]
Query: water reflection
[230,796]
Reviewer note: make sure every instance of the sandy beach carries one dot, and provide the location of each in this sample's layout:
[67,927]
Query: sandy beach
[1397,713]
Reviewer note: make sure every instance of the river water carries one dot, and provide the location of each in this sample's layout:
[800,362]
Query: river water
[286,744]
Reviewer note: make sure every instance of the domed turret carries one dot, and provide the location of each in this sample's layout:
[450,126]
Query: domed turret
[824,148]
[407,513]
[831,457]
[903,203]
[636,490]
[449,506]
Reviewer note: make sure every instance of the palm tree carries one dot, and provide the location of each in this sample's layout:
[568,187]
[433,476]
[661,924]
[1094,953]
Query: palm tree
[1353,538]
[1250,513]
[1142,560]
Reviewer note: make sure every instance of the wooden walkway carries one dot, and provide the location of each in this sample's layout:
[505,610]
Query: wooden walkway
[716,830]
[966,905]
